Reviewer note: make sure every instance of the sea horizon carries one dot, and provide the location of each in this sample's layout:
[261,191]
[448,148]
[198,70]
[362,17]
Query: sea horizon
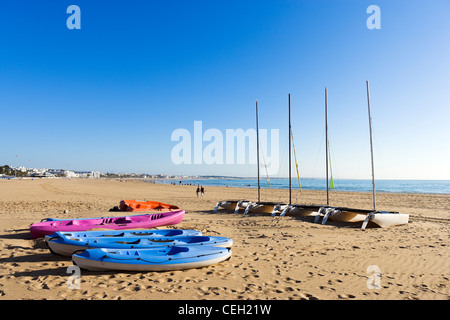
[422,186]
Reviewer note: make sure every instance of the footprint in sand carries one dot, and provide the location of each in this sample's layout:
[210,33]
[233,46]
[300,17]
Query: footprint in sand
[306,296]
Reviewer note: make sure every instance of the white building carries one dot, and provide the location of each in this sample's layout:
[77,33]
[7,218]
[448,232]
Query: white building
[82,174]
[95,175]
[70,174]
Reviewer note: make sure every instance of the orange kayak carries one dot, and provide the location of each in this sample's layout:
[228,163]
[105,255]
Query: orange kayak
[133,205]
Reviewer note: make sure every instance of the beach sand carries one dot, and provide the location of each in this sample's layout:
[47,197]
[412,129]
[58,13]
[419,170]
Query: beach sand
[273,258]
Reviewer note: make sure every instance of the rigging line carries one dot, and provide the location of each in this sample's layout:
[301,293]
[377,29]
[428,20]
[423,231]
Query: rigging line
[331,171]
[335,168]
[282,159]
[265,165]
[296,163]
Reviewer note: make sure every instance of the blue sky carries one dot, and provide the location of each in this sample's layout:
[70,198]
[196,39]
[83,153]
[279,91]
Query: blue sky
[108,96]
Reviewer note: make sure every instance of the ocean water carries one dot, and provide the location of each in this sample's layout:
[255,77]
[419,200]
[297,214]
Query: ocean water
[354,185]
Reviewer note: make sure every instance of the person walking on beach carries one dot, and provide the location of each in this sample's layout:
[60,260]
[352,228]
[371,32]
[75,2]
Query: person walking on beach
[202,191]
[198,190]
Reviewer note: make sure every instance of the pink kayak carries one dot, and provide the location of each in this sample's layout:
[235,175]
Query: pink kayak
[143,221]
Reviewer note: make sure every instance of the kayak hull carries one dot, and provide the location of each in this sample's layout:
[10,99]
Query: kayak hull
[230,205]
[145,260]
[143,221]
[66,246]
[133,205]
[260,207]
[141,233]
[380,218]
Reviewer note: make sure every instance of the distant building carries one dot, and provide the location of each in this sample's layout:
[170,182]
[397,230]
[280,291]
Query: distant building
[47,173]
[70,174]
[83,174]
[95,174]
[39,173]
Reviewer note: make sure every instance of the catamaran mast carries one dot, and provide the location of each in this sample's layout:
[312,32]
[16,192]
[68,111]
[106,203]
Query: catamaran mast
[257,150]
[326,140]
[371,145]
[290,196]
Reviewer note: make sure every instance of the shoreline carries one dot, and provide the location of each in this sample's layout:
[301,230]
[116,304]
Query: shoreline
[416,204]
[174,182]
[272,258]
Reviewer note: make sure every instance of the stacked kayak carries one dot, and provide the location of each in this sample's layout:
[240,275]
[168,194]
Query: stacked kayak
[133,205]
[162,259]
[143,221]
[66,245]
[128,233]
[126,243]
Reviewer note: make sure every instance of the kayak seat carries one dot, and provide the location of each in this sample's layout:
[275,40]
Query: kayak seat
[122,220]
[174,233]
[197,239]
[175,250]
[73,223]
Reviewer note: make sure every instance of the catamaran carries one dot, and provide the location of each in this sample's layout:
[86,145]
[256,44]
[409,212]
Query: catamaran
[380,218]
[260,207]
[245,205]
[344,214]
[296,209]
[231,205]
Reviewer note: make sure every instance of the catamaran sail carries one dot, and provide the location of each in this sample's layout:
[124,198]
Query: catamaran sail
[296,162]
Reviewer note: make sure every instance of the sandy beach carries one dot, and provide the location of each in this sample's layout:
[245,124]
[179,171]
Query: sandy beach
[285,258]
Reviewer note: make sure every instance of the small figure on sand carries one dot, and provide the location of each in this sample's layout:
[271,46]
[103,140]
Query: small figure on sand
[202,191]
[198,190]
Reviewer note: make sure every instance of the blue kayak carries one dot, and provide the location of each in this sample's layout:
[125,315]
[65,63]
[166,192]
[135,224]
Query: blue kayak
[162,259]
[66,246]
[128,233]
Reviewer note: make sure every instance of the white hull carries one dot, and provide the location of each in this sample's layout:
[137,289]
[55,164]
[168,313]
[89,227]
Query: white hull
[68,249]
[229,205]
[381,219]
[301,211]
[232,205]
[93,265]
[260,208]
[390,219]
[64,249]
[347,216]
